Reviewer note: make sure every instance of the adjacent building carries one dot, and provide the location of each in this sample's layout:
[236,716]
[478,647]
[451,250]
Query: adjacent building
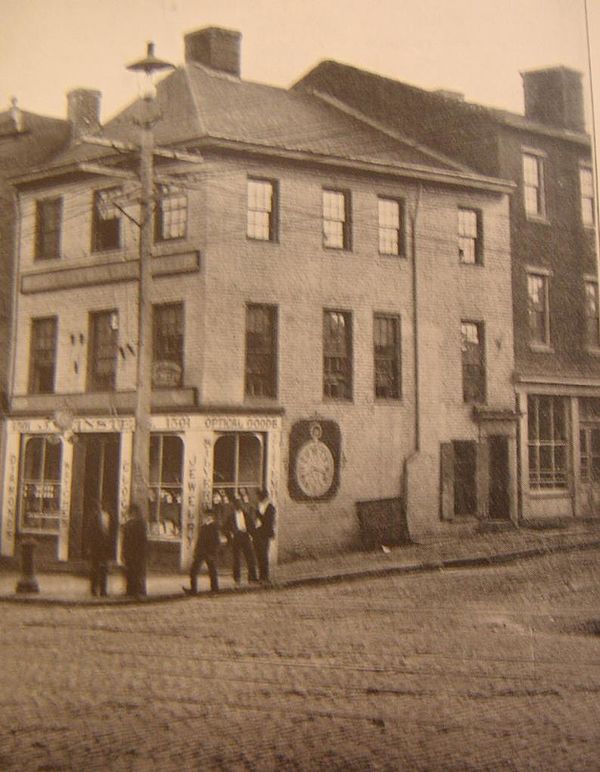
[546,152]
[331,310]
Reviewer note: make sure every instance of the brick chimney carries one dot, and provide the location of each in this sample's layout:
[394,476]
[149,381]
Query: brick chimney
[83,111]
[216,48]
[554,96]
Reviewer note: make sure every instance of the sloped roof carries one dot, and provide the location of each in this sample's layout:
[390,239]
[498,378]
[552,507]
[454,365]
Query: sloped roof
[197,104]
[38,140]
[444,100]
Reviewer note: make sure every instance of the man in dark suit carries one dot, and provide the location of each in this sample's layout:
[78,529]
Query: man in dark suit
[135,552]
[240,528]
[263,533]
[205,551]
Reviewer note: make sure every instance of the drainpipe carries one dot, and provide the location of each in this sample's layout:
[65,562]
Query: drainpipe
[594,150]
[414,216]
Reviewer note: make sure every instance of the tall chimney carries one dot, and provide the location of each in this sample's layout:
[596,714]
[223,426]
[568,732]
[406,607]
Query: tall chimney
[216,48]
[554,96]
[83,111]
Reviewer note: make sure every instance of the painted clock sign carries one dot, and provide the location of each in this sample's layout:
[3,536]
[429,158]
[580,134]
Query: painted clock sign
[314,460]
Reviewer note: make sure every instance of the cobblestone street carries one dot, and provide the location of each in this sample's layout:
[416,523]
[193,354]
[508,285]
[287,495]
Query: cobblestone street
[464,669]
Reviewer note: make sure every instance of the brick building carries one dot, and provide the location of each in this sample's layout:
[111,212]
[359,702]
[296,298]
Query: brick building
[319,326]
[546,152]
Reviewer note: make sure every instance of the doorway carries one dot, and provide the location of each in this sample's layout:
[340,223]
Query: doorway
[95,477]
[499,498]
[589,469]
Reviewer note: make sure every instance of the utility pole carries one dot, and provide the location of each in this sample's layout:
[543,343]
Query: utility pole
[146,67]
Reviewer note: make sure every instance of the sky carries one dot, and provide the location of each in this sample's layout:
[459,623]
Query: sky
[477,47]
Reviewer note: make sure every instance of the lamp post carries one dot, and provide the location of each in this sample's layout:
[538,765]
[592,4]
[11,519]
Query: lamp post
[147,69]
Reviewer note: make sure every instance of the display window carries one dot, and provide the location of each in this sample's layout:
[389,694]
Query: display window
[238,465]
[40,486]
[166,486]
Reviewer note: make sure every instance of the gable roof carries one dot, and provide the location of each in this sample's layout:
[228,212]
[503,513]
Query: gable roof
[37,140]
[366,85]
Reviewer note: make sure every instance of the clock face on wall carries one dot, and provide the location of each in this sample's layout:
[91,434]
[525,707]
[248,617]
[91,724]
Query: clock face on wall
[315,468]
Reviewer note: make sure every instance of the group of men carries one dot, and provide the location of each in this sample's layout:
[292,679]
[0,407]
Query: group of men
[248,528]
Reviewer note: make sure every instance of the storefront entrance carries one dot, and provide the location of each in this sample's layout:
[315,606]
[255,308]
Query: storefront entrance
[589,460]
[95,478]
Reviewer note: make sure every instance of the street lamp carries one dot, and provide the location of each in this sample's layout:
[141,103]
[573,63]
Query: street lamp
[147,69]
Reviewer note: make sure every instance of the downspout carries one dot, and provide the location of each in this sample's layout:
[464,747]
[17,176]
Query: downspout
[594,150]
[414,216]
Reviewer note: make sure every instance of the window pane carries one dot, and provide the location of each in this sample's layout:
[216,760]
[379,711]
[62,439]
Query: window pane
[40,485]
[337,352]
[386,341]
[42,357]
[171,218]
[261,351]
[167,324]
[106,220]
[224,460]
[250,460]
[260,225]
[335,234]
[103,351]
[165,490]
[389,226]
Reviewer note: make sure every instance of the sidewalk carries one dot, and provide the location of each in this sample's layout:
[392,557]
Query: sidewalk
[477,550]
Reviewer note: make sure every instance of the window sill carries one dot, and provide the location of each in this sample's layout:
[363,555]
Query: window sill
[388,401]
[593,351]
[537,219]
[551,493]
[478,264]
[338,400]
[257,240]
[389,254]
[338,249]
[541,348]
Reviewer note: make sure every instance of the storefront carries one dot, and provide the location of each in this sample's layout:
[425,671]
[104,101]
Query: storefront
[53,477]
[560,451]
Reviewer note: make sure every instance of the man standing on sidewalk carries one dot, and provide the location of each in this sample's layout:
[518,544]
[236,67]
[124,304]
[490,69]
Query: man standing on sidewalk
[205,551]
[240,528]
[100,549]
[135,552]
[264,532]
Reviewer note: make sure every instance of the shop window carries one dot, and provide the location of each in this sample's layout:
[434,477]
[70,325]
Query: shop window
[547,442]
[391,226]
[336,219]
[337,354]
[473,361]
[238,463]
[386,345]
[39,493]
[533,185]
[470,237]
[47,228]
[170,220]
[586,189]
[42,355]
[167,345]
[102,351]
[262,210]
[592,323]
[261,351]
[106,220]
[165,490]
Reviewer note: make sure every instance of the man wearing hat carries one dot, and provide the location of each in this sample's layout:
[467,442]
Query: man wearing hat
[205,551]
[240,528]
[264,532]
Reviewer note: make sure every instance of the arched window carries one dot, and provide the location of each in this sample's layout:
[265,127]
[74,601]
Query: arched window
[40,484]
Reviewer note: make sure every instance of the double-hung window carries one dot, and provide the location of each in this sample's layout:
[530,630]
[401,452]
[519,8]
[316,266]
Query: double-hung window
[533,185]
[337,354]
[261,351]
[386,348]
[42,355]
[586,190]
[538,309]
[391,226]
[262,210]
[102,351]
[336,219]
[473,361]
[470,236]
[170,221]
[167,348]
[48,222]
[106,220]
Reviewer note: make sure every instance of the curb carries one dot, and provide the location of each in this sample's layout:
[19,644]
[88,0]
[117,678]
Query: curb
[477,561]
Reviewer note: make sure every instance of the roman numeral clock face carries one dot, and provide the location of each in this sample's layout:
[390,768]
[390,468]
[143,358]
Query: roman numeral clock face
[314,468]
